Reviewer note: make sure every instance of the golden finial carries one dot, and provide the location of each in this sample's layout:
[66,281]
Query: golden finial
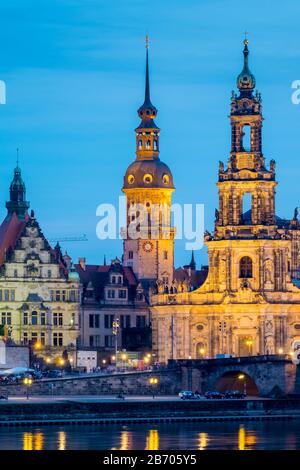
[246,42]
[147,41]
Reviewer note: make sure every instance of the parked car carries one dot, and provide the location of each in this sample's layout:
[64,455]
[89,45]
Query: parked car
[52,374]
[234,394]
[187,395]
[214,395]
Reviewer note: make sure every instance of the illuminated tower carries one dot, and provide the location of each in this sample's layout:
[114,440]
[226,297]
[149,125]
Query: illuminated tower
[148,186]
[247,205]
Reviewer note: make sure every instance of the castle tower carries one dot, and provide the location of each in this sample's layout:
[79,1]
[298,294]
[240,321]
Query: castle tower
[17,202]
[148,186]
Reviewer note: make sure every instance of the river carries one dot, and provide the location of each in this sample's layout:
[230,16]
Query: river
[171,436]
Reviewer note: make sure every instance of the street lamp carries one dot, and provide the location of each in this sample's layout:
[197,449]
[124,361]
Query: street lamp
[202,351]
[243,377]
[280,351]
[153,381]
[115,331]
[27,382]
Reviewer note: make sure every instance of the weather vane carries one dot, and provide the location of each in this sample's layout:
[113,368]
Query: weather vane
[17,156]
[147,41]
[246,38]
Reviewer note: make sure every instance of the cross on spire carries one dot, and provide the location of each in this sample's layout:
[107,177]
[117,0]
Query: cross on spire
[147,41]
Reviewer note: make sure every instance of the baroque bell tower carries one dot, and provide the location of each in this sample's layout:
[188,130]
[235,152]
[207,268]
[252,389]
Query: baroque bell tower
[247,205]
[148,186]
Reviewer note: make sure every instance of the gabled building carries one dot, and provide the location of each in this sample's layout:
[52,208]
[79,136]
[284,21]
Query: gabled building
[109,293]
[39,295]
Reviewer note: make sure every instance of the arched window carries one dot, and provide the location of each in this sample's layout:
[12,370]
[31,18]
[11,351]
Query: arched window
[140,144]
[246,267]
[155,144]
[113,279]
[246,136]
[148,145]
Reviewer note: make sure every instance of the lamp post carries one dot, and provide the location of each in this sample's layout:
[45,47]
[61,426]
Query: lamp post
[115,331]
[153,381]
[27,382]
[243,377]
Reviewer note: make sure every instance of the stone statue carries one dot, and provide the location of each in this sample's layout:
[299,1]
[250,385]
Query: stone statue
[272,166]
[269,345]
[295,214]
[268,270]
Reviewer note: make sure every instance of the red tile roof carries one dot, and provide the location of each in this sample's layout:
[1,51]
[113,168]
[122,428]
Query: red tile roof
[10,231]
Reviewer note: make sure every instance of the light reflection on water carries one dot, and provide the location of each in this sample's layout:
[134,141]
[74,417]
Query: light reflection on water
[171,436]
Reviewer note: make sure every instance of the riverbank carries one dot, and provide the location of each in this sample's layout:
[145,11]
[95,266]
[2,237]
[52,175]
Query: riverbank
[80,411]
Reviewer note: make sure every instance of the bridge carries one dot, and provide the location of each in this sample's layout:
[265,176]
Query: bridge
[257,375]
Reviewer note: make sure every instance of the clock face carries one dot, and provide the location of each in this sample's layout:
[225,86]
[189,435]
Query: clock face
[147,246]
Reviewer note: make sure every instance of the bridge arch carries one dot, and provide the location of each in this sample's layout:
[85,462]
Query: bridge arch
[236,380]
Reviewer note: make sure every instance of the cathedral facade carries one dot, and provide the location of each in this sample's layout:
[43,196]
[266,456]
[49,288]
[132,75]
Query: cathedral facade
[249,303]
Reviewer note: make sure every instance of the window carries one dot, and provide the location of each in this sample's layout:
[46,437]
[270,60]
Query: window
[63,296]
[120,280]
[108,341]
[148,144]
[130,254]
[6,318]
[125,321]
[108,321]
[165,280]
[165,254]
[15,273]
[110,294]
[246,267]
[25,338]
[122,294]
[139,296]
[43,339]
[57,339]
[34,318]
[49,273]
[140,321]
[95,340]
[25,318]
[246,136]
[140,144]
[113,279]
[34,337]
[148,178]
[1,295]
[155,144]
[57,296]
[94,321]
[43,318]
[12,295]
[57,319]
[73,296]
[6,294]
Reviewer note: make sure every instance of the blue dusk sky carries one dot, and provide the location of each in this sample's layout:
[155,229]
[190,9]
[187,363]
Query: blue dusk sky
[74,71]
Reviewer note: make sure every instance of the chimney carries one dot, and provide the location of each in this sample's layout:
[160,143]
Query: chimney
[81,262]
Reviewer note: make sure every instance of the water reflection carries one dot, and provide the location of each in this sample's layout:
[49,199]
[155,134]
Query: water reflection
[203,440]
[62,440]
[152,441]
[33,441]
[189,436]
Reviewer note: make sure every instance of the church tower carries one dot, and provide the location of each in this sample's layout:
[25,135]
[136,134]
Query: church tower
[247,205]
[148,186]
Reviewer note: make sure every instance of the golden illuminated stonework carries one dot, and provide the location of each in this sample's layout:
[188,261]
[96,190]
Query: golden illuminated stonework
[250,302]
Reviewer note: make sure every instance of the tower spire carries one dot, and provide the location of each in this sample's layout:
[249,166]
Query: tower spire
[147,84]
[17,202]
[246,80]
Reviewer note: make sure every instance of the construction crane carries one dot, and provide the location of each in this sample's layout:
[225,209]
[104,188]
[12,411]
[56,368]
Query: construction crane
[83,238]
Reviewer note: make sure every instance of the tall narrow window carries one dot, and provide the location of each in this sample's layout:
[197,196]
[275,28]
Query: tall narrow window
[155,144]
[148,145]
[246,267]
[140,144]
[246,143]
[247,208]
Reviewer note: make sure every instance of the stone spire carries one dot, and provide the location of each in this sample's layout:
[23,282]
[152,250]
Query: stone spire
[246,80]
[17,192]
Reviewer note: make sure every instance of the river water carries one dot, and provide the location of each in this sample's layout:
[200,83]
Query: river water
[171,436]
